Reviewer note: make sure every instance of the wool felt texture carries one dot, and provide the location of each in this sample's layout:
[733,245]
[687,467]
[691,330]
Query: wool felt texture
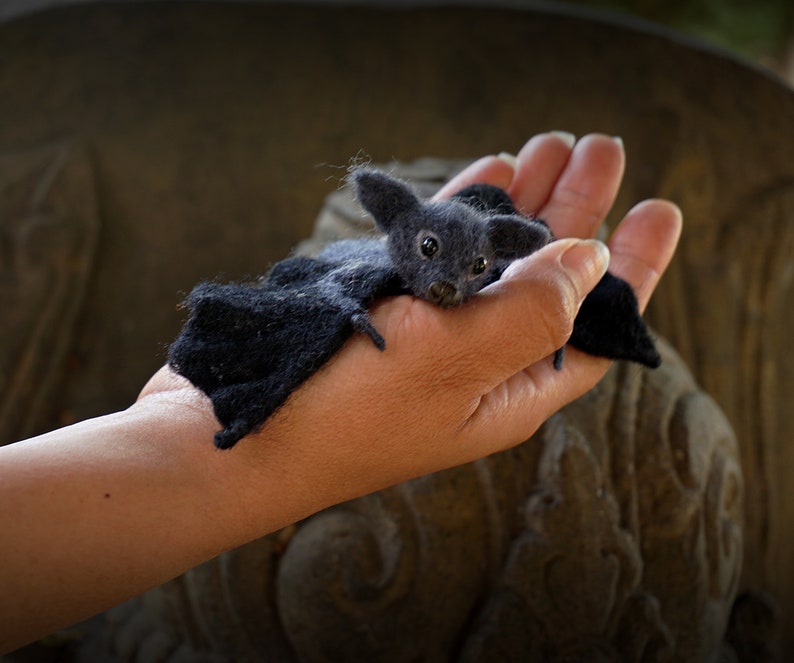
[249,346]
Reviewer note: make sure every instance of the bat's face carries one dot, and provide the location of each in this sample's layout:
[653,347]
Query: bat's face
[446,251]
[443,254]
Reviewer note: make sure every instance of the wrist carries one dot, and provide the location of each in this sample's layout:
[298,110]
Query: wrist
[269,480]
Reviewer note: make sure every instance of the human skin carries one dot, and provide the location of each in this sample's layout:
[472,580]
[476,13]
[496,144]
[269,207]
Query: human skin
[98,512]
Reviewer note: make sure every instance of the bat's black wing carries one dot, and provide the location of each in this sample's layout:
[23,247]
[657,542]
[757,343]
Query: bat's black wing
[248,347]
[609,323]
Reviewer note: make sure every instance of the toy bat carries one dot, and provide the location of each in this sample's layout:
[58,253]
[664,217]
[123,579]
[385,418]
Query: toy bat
[249,346]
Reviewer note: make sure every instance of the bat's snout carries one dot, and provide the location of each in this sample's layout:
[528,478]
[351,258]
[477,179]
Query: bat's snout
[444,294]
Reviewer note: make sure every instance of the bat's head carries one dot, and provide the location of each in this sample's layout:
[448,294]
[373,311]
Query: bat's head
[444,251]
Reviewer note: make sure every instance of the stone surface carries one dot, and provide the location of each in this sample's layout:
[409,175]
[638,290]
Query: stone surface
[200,141]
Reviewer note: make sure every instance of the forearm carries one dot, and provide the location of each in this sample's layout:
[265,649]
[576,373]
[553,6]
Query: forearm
[101,511]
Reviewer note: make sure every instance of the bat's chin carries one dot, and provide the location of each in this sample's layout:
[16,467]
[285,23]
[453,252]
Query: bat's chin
[444,294]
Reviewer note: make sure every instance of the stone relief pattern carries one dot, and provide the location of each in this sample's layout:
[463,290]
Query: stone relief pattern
[643,473]
[615,533]
[726,306]
[49,224]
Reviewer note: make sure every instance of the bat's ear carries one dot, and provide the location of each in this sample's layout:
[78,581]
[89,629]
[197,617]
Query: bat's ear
[383,196]
[513,236]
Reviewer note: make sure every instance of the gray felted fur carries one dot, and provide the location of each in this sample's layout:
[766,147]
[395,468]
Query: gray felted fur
[249,346]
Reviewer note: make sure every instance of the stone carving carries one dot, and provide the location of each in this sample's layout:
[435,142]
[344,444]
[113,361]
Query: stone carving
[49,226]
[739,348]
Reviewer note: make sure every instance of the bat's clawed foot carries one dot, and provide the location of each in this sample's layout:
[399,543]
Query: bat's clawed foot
[362,323]
[228,437]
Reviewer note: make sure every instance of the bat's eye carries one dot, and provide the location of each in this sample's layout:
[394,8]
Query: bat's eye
[428,246]
[480,263]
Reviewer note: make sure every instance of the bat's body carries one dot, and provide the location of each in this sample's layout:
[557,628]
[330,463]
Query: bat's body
[250,346]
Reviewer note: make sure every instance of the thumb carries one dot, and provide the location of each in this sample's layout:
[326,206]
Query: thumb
[529,312]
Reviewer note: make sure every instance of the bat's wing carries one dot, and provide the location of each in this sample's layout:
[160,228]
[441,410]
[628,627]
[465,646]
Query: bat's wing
[609,324]
[249,347]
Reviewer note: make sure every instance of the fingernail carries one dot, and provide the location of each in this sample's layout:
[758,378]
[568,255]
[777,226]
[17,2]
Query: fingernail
[586,260]
[568,138]
[618,140]
[508,158]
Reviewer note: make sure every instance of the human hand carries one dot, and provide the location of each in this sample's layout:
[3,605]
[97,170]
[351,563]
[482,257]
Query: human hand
[137,497]
[455,385]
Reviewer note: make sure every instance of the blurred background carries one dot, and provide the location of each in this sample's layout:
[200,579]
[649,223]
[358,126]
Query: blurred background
[761,31]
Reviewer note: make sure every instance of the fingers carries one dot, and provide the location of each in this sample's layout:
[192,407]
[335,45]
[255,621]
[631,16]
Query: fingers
[570,185]
[539,165]
[586,188]
[643,245]
[573,190]
[640,250]
[529,313]
[491,169]
[528,177]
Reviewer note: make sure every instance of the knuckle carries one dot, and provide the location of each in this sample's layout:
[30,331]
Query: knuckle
[558,302]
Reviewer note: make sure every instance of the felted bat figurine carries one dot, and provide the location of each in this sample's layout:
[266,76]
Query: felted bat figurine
[249,346]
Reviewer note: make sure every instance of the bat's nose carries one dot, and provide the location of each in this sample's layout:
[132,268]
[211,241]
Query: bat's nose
[444,294]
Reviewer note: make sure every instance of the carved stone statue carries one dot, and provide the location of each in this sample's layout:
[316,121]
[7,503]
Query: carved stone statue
[145,146]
